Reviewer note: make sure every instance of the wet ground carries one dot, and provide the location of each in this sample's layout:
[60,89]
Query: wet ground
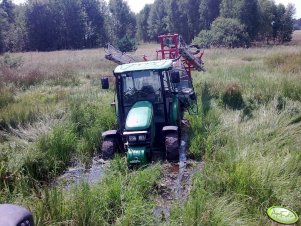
[77,173]
[175,184]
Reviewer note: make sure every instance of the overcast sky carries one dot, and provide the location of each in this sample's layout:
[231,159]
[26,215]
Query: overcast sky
[137,5]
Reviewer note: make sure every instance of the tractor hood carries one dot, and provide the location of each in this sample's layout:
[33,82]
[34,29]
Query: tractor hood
[140,116]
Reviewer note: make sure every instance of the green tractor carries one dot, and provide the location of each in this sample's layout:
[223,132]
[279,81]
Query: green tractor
[150,100]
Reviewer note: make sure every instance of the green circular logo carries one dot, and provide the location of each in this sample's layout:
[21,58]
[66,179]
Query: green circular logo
[282,215]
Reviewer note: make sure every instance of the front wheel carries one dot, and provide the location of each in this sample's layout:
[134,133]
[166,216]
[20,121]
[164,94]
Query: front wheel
[108,148]
[172,147]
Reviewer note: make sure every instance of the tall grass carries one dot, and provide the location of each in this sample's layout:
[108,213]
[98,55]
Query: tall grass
[251,152]
[121,198]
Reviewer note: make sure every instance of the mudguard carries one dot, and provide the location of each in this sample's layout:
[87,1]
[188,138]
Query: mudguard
[110,133]
[167,129]
[14,215]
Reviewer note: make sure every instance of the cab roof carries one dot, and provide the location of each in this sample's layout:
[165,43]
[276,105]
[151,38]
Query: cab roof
[146,65]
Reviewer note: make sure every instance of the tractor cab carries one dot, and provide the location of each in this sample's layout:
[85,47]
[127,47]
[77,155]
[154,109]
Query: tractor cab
[149,112]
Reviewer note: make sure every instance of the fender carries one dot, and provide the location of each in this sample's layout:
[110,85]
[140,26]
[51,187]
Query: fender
[168,129]
[110,133]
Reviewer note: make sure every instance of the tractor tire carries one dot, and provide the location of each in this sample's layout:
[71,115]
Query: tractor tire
[108,148]
[172,147]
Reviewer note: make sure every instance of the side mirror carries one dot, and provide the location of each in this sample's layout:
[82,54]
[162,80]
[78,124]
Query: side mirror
[105,83]
[175,76]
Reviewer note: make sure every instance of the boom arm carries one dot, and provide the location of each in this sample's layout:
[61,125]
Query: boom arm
[115,55]
[172,47]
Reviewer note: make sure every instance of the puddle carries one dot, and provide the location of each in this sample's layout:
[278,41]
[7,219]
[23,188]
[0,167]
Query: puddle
[78,173]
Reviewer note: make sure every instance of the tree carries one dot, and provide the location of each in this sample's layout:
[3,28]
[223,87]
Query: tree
[191,9]
[75,20]
[39,26]
[230,8]
[142,25]
[287,24]
[177,18]
[8,7]
[266,8]
[3,30]
[158,22]
[209,11]
[246,11]
[124,21]
[249,16]
[297,24]
[95,32]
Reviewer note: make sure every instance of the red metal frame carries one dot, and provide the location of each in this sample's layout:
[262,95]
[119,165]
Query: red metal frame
[170,47]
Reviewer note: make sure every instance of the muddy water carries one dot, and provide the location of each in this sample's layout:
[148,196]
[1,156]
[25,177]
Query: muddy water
[176,182]
[170,187]
[78,173]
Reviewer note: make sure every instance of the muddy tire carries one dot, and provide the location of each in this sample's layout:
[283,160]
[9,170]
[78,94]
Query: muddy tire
[172,147]
[108,148]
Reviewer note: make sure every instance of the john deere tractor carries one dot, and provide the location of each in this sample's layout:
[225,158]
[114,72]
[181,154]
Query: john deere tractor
[150,101]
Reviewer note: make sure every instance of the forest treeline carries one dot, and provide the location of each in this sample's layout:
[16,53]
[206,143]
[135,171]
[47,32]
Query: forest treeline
[46,25]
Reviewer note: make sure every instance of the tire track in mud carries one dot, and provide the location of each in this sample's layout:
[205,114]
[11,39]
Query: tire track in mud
[176,182]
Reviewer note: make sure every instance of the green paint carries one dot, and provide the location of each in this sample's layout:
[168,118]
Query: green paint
[174,111]
[141,66]
[282,215]
[137,155]
[140,116]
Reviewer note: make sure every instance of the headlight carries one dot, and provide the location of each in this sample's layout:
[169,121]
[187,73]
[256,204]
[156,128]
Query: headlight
[132,138]
[141,137]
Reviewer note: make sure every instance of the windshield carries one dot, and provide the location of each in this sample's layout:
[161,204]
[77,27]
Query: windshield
[141,85]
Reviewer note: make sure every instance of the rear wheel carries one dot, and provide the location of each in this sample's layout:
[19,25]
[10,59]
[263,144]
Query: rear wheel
[172,147]
[108,148]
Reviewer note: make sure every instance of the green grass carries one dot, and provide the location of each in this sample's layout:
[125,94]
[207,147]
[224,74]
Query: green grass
[251,151]
[251,155]
[121,198]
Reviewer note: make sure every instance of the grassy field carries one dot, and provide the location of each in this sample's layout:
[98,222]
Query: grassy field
[248,133]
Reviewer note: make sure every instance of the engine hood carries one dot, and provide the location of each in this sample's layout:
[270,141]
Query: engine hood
[140,116]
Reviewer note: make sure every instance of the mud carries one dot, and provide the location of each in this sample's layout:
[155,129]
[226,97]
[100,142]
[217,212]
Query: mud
[175,184]
[78,173]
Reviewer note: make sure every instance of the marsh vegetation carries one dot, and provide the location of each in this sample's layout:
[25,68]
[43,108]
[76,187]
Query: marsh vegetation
[247,133]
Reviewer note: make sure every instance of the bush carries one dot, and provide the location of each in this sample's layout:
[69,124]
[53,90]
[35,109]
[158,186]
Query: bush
[126,44]
[6,97]
[232,97]
[225,32]
[12,62]
[204,39]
